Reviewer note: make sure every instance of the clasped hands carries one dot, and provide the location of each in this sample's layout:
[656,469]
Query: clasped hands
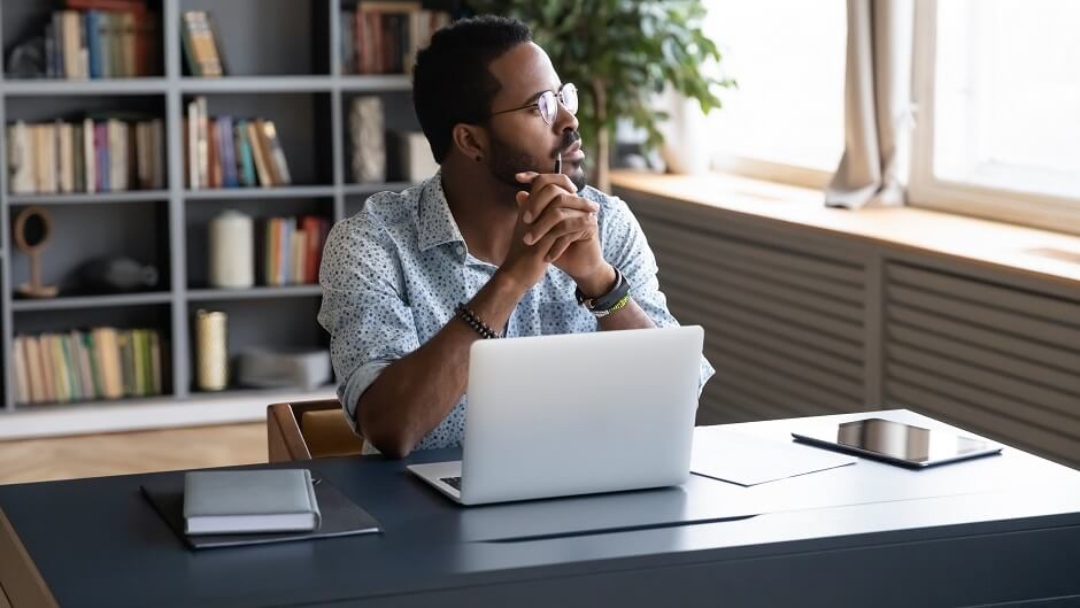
[556,226]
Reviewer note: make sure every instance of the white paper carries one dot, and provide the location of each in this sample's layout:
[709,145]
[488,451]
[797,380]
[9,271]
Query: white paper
[748,460]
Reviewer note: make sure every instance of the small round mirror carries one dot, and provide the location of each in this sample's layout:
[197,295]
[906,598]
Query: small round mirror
[33,229]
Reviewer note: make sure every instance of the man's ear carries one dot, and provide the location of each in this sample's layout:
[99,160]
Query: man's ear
[471,141]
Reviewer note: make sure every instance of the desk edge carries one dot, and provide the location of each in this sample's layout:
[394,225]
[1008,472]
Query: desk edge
[20,580]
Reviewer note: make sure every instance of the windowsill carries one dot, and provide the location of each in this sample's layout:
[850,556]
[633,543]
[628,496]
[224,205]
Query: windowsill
[1048,254]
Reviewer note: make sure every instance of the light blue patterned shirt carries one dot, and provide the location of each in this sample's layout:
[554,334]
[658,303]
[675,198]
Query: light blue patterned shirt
[393,274]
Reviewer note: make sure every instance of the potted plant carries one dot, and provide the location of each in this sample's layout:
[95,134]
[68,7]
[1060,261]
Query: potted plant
[621,53]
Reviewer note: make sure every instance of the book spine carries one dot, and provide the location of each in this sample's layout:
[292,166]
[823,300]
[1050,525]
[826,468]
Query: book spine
[202,142]
[273,144]
[22,384]
[38,393]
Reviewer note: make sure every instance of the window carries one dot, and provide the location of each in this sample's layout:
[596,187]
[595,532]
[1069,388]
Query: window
[786,119]
[998,130]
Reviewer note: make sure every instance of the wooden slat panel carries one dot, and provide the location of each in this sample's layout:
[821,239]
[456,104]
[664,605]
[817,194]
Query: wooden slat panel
[712,267]
[1025,393]
[784,367]
[680,288]
[763,289]
[1000,360]
[1049,420]
[1057,334]
[742,362]
[989,360]
[762,410]
[782,401]
[823,362]
[1049,356]
[810,337]
[782,252]
[1025,303]
[817,275]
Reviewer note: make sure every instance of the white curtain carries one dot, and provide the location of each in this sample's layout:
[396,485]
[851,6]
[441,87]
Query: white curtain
[877,105]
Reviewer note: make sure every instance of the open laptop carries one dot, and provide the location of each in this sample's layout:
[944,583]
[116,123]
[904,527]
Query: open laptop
[575,414]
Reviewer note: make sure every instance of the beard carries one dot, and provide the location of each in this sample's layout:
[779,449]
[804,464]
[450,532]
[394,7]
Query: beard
[507,161]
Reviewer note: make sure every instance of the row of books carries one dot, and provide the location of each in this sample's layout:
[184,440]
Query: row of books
[383,37]
[293,249]
[103,363]
[96,154]
[101,39]
[227,152]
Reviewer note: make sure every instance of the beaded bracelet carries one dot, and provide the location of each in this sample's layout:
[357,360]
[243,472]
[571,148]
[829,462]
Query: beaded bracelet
[474,322]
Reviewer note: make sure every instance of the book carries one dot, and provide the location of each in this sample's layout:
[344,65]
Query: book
[89,156]
[44,362]
[66,156]
[213,157]
[276,153]
[202,141]
[191,128]
[261,162]
[200,46]
[33,365]
[246,160]
[22,377]
[21,159]
[276,500]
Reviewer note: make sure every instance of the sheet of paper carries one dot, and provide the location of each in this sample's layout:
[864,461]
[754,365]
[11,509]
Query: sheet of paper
[748,460]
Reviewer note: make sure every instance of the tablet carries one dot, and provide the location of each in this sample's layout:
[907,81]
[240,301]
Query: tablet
[896,442]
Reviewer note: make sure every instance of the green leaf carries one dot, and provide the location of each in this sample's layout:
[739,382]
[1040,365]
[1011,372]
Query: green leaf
[635,47]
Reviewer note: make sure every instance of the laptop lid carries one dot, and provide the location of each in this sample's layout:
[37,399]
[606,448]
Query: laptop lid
[580,413]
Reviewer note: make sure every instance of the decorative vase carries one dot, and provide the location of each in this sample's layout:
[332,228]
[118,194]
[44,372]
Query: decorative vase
[211,350]
[232,251]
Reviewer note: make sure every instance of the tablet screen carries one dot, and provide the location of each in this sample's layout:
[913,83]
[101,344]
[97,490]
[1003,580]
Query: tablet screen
[901,441]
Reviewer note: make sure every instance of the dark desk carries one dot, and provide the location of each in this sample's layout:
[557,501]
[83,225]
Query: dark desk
[998,530]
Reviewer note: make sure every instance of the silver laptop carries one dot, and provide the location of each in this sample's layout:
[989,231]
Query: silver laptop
[575,414]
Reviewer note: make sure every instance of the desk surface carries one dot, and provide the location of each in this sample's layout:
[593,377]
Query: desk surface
[97,542]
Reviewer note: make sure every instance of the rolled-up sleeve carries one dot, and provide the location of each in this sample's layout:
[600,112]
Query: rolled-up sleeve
[363,307]
[626,248]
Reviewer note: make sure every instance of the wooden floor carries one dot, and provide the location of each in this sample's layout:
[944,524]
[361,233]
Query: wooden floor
[137,452]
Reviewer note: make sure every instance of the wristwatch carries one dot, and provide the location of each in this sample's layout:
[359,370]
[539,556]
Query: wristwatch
[612,301]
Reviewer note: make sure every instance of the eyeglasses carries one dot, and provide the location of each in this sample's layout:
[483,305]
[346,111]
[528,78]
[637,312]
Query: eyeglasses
[548,102]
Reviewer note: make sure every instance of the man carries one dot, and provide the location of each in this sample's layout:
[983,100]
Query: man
[494,244]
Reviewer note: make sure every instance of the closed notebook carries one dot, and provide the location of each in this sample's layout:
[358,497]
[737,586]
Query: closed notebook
[340,516]
[237,502]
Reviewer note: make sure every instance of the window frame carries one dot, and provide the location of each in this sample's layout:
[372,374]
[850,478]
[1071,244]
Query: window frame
[925,190]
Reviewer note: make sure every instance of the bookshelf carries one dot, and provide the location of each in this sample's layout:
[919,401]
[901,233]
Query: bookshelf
[284,65]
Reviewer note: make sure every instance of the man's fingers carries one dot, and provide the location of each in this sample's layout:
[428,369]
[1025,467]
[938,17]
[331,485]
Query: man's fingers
[569,220]
[561,245]
[557,214]
[539,203]
[553,185]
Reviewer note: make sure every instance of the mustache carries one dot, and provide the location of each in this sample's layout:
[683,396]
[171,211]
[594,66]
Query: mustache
[571,138]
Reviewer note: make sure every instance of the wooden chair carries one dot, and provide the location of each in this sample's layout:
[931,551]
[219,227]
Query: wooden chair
[309,429]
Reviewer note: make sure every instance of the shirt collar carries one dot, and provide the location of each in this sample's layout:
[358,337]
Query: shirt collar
[437,225]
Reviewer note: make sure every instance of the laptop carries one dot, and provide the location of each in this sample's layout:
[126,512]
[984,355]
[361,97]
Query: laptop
[573,414]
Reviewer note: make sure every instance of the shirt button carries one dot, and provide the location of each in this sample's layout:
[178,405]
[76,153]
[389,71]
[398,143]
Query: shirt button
[460,249]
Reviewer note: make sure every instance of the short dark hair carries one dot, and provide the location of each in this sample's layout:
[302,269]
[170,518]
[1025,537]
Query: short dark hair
[451,81]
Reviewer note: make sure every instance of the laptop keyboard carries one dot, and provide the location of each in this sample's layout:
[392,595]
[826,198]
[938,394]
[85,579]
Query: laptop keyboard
[453,482]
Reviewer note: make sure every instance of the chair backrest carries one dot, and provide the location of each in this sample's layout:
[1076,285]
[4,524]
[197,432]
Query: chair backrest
[309,429]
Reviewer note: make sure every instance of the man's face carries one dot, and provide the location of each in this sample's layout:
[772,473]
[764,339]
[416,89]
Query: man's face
[521,140]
